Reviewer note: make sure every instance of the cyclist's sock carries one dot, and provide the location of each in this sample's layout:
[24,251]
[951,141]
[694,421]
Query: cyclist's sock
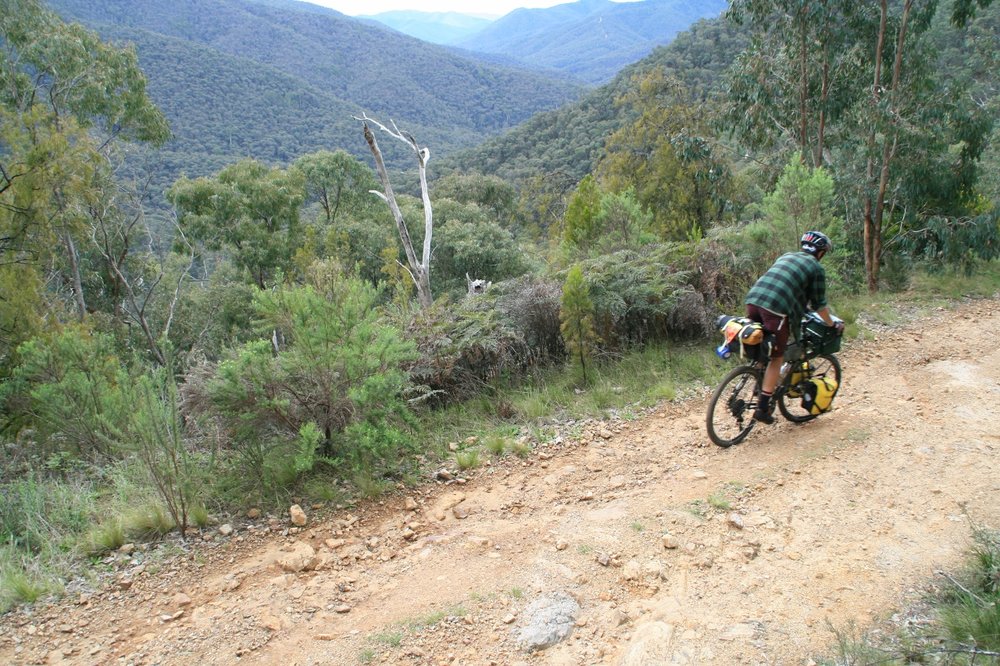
[763,412]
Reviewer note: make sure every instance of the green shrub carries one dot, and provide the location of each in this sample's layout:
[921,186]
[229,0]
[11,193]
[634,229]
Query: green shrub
[482,250]
[972,612]
[645,294]
[496,445]
[68,387]
[505,332]
[338,367]
[17,587]
[577,316]
[156,434]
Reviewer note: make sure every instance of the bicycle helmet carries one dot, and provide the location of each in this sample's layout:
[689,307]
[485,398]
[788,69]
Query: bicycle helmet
[816,243]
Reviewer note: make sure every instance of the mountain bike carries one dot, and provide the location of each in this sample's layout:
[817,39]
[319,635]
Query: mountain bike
[730,411]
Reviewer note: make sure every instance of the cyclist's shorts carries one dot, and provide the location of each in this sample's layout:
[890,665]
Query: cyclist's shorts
[775,324]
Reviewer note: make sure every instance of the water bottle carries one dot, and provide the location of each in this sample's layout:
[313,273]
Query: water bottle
[723,351]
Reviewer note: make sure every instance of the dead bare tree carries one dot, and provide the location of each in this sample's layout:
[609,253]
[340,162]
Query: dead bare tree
[419,271]
[114,233]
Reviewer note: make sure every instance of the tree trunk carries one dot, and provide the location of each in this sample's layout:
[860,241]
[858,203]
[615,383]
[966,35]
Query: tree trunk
[419,270]
[823,100]
[74,263]
[872,230]
[890,142]
[803,91]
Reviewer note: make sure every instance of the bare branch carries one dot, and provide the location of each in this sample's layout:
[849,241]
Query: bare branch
[419,270]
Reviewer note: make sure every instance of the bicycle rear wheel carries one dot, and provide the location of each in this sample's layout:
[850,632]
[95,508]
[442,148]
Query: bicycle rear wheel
[791,408]
[730,411]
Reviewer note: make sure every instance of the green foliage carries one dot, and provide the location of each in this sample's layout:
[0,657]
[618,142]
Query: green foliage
[306,448]
[903,157]
[666,155]
[490,193]
[104,537]
[576,313]
[68,67]
[214,315]
[580,226]
[803,200]
[339,183]
[463,346]
[468,459]
[972,614]
[147,522]
[338,366]
[248,209]
[17,587]
[644,294]
[64,97]
[38,515]
[479,250]
[156,433]
[961,243]
[69,387]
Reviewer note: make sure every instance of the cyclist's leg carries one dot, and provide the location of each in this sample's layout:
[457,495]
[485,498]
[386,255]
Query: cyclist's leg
[777,325]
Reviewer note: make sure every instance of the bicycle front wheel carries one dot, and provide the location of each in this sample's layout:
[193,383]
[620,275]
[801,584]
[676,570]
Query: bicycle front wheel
[789,397]
[730,411]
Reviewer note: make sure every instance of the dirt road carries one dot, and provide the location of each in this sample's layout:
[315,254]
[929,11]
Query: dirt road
[643,542]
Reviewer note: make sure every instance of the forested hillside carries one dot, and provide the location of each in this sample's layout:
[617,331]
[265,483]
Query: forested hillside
[566,143]
[282,332]
[274,80]
[591,39]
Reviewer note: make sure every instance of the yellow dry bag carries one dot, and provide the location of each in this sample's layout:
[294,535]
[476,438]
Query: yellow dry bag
[818,393]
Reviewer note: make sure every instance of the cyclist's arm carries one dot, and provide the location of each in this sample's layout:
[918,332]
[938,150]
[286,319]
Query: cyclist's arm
[824,313]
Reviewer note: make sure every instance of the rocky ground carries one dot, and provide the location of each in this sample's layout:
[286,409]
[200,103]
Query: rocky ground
[632,543]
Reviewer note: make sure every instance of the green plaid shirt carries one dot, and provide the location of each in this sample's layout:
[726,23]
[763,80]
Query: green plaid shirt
[794,282]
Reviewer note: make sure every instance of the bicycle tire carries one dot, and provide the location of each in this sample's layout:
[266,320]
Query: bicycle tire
[789,406]
[740,388]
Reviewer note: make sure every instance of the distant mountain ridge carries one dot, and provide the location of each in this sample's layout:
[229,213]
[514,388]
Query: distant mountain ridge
[273,79]
[562,146]
[434,27]
[590,39]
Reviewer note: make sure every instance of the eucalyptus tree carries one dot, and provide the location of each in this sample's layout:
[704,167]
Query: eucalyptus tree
[249,210]
[66,98]
[338,181]
[907,117]
[798,75]
[668,157]
[854,86]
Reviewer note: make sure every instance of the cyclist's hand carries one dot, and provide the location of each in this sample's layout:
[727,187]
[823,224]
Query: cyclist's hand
[839,325]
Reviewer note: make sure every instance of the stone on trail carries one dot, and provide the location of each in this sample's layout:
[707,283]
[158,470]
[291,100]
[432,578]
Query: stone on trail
[300,556]
[650,645]
[297,515]
[548,620]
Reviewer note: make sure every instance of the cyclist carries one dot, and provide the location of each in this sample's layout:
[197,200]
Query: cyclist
[794,282]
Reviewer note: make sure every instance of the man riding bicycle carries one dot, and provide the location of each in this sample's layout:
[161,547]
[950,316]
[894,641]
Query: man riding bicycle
[795,282]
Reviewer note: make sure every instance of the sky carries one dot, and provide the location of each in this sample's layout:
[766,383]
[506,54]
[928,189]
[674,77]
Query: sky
[479,7]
